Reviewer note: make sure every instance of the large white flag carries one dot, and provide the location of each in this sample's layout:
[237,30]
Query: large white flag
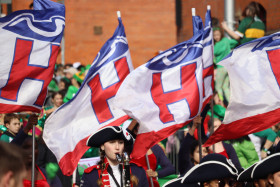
[168,91]
[67,129]
[30,41]
[254,73]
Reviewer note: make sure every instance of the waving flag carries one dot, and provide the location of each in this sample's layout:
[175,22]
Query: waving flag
[29,46]
[67,129]
[208,53]
[254,73]
[164,94]
[197,23]
[207,58]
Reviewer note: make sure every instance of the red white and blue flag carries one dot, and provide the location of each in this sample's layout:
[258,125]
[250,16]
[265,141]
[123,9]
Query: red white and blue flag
[254,73]
[207,59]
[164,94]
[68,128]
[30,41]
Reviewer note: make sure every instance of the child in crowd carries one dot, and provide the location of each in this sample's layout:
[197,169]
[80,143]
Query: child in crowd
[12,123]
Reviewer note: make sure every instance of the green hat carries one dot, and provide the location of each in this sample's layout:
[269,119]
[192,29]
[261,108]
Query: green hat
[72,90]
[219,112]
[88,66]
[216,28]
[53,86]
[80,76]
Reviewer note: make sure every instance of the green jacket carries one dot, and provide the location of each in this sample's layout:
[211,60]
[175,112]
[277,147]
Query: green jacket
[222,48]
[7,137]
[246,153]
[72,90]
[267,134]
[251,28]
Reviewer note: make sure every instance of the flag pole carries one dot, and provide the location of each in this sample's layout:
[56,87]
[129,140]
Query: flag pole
[33,151]
[212,105]
[33,157]
[74,177]
[212,120]
[193,11]
[199,127]
[148,165]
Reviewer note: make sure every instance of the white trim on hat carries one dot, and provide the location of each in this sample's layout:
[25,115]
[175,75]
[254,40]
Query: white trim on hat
[267,158]
[171,181]
[205,163]
[112,127]
[254,165]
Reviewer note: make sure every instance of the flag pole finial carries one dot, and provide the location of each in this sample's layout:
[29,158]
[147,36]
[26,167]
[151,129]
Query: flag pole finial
[208,7]
[119,13]
[193,11]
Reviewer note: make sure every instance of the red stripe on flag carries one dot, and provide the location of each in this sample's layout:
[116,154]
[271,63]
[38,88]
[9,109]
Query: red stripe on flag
[10,108]
[69,162]
[145,141]
[244,127]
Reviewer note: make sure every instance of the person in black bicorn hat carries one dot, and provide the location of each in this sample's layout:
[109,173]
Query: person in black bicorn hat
[213,170]
[268,168]
[246,177]
[265,173]
[112,141]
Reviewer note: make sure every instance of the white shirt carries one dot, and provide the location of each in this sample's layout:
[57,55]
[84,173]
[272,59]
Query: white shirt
[117,174]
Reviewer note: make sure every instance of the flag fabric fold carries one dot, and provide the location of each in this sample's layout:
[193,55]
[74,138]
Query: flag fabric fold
[254,74]
[67,129]
[166,93]
[30,41]
[207,58]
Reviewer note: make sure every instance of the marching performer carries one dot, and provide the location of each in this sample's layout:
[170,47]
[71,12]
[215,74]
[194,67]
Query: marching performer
[109,172]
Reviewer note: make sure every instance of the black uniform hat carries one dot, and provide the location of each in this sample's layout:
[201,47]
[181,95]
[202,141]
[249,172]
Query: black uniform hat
[108,133]
[212,166]
[177,183]
[245,175]
[269,165]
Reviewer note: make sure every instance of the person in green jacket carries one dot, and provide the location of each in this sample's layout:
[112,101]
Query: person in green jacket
[269,135]
[222,47]
[12,123]
[76,82]
[250,27]
[245,150]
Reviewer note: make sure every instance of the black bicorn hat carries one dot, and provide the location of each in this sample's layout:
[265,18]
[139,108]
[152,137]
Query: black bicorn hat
[245,175]
[109,133]
[177,183]
[212,166]
[269,165]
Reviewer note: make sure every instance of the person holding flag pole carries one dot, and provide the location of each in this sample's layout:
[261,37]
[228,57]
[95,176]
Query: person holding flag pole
[68,128]
[207,59]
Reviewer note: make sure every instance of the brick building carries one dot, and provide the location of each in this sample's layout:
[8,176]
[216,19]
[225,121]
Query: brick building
[150,25]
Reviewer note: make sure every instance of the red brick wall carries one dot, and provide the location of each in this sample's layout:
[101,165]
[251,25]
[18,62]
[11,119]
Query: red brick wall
[149,25]
[217,10]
